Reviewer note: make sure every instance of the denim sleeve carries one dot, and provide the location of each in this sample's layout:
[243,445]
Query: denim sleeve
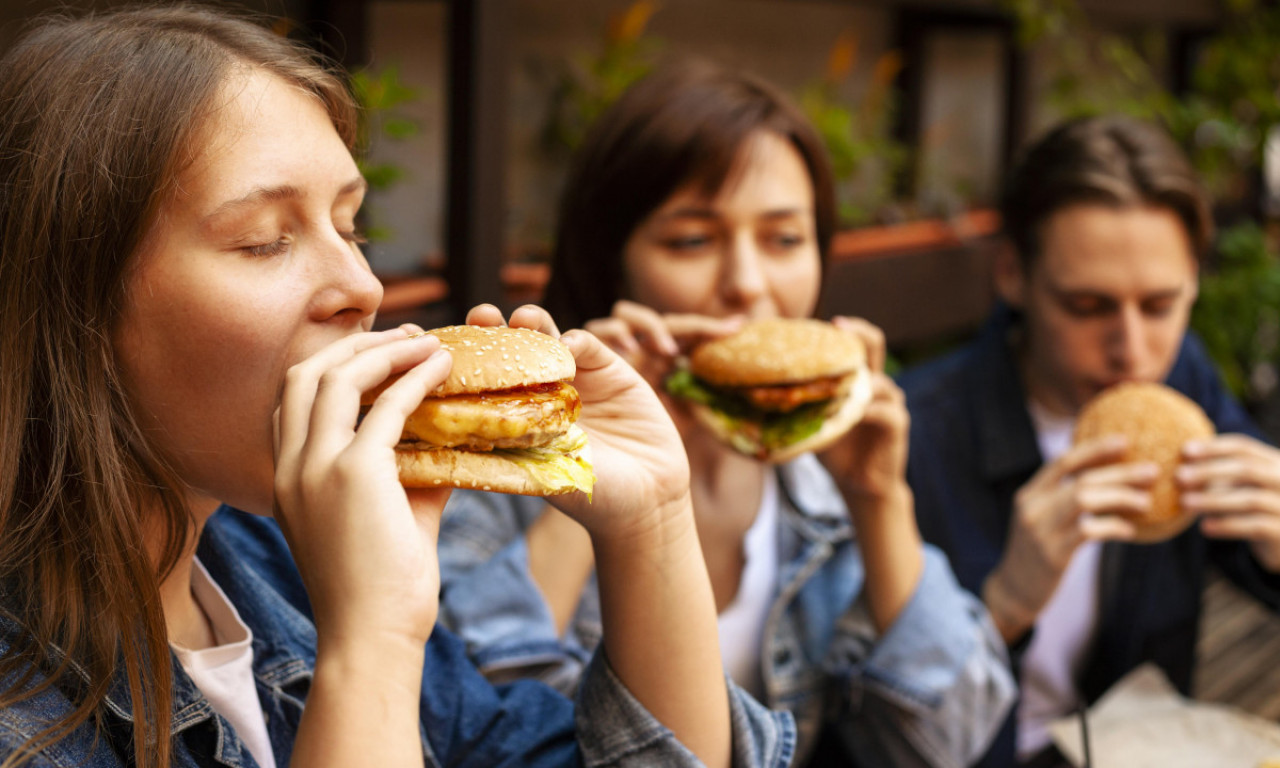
[615,730]
[936,687]
[490,600]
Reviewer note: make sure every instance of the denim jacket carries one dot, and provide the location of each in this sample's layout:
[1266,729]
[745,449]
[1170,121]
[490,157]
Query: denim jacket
[466,720]
[931,691]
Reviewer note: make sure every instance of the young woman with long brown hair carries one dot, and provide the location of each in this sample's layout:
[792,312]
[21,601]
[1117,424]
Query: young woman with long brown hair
[184,321]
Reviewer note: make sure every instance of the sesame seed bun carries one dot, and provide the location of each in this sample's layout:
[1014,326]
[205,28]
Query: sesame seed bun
[486,359]
[502,421]
[1158,421]
[778,351]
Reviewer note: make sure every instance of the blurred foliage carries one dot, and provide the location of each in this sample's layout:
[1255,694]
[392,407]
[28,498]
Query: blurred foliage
[1223,121]
[1238,312]
[380,93]
[590,82]
[865,158]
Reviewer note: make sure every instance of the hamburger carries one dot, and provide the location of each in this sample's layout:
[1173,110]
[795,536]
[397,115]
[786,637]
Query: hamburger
[1157,421]
[504,419]
[777,388]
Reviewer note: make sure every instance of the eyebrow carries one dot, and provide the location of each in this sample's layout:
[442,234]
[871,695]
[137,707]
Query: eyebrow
[709,213]
[1069,293]
[262,195]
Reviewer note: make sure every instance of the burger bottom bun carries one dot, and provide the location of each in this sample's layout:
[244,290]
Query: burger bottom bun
[481,471]
[849,412]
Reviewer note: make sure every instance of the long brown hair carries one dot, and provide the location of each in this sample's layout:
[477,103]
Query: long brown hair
[684,124]
[97,117]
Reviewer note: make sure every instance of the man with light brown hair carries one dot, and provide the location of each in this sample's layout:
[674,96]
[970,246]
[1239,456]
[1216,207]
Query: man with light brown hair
[1107,225]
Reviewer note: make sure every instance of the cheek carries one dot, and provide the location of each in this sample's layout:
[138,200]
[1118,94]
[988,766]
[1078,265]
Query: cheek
[669,285]
[795,284]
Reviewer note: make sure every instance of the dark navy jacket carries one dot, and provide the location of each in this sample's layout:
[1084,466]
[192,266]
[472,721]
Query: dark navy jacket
[973,446]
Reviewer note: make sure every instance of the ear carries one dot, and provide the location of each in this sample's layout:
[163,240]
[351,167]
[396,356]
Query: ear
[1010,278]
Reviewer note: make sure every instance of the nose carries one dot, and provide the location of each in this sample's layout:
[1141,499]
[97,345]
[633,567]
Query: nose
[347,288]
[743,279]
[1128,341]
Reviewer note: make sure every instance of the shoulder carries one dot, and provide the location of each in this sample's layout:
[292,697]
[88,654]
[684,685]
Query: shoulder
[21,721]
[937,383]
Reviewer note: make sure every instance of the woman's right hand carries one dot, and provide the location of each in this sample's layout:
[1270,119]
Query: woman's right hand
[364,545]
[1066,503]
[652,343]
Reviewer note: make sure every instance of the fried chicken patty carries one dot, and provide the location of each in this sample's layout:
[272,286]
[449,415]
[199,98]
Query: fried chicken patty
[514,418]
[784,398]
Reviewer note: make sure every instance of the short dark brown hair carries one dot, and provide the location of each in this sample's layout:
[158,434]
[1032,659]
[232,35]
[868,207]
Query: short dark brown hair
[686,123]
[1113,161]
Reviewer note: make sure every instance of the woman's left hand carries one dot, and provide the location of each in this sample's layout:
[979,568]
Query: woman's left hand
[870,460]
[1232,483]
[642,473]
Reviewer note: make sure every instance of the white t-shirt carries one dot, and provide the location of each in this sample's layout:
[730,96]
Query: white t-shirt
[1065,630]
[742,622]
[224,673]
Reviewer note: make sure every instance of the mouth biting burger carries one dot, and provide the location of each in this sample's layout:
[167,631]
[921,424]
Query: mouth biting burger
[777,388]
[502,421]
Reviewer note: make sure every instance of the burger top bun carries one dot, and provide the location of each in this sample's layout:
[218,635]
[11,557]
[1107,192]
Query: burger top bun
[778,351]
[1158,421]
[488,359]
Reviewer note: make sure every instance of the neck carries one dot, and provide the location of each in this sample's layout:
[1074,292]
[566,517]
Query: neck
[185,619]
[726,492]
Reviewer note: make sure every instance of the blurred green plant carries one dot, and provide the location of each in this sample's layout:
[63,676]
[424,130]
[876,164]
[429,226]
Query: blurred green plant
[380,94]
[1238,312]
[1223,120]
[865,158]
[590,82]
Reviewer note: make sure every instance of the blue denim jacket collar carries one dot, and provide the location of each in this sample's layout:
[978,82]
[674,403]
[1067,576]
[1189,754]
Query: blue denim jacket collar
[283,649]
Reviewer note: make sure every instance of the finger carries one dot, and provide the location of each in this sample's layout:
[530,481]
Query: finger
[1228,445]
[1107,528]
[1259,527]
[299,390]
[1091,453]
[384,423]
[486,315]
[1135,474]
[648,327]
[534,317]
[1111,499]
[616,333]
[1228,471]
[871,336]
[1232,501]
[689,330]
[589,352]
[337,400]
